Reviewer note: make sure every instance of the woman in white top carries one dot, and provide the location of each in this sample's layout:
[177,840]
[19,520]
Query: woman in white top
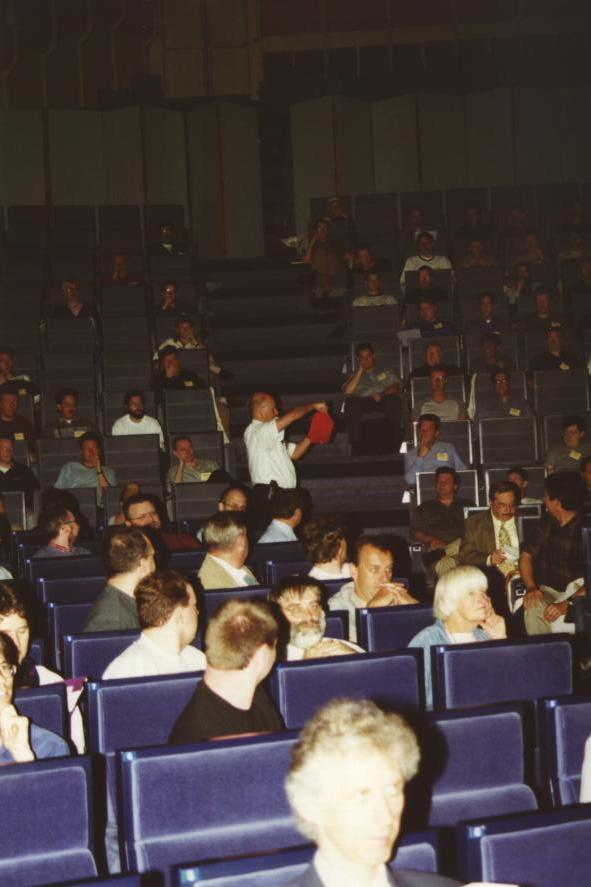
[326,547]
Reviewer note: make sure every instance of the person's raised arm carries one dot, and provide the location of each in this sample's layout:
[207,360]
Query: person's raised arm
[300,449]
[292,416]
[352,382]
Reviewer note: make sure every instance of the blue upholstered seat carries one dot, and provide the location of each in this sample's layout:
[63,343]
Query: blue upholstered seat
[392,679]
[47,826]
[63,619]
[388,628]
[567,724]
[46,706]
[541,849]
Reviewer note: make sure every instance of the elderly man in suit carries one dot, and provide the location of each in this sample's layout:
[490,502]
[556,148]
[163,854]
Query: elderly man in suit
[491,541]
[225,537]
[346,787]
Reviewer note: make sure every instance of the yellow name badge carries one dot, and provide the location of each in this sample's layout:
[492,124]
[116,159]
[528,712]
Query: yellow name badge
[514,412]
[437,326]
[205,475]
[381,377]
[442,457]
[564,366]
[574,454]
[189,384]
[19,436]
[22,391]
[78,433]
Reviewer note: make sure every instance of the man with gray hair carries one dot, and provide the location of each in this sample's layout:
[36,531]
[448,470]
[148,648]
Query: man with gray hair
[225,537]
[346,788]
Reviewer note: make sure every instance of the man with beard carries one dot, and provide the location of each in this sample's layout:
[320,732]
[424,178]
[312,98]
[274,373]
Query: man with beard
[300,601]
[135,420]
[143,510]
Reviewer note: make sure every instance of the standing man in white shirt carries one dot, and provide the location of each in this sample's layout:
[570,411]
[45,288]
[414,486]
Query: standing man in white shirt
[135,420]
[270,458]
[168,615]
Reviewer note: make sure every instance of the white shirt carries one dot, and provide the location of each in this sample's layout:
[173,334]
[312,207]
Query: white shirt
[268,456]
[329,879]
[238,574]
[324,576]
[346,599]
[5,574]
[294,653]
[143,658]
[278,531]
[46,676]
[146,425]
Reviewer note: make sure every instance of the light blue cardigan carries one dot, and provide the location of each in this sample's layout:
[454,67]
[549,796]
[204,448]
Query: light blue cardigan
[427,638]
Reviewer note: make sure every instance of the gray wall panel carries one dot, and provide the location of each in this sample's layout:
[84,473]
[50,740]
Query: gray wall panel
[207,210]
[122,156]
[76,156]
[395,144]
[443,147]
[489,130]
[22,172]
[539,130]
[166,176]
[576,134]
[313,155]
[241,167]
[353,146]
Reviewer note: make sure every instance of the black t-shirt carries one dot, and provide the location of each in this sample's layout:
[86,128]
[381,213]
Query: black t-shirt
[208,715]
[186,380]
[563,361]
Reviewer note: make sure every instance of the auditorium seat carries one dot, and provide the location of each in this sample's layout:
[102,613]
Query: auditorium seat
[567,724]
[37,651]
[64,619]
[87,655]
[468,488]
[300,687]
[207,444]
[420,390]
[124,370]
[111,497]
[134,456]
[536,476]
[46,707]
[196,501]
[71,335]
[457,432]
[465,675]
[276,570]
[265,553]
[67,369]
[559,392]
[508,441]
[14,505]
[50,804]
[211,599]
[114,406]
[189,409]
[69,589]
[449,344]
[56,567]
[418,851]
[542,849]
[197,816]
[390,628]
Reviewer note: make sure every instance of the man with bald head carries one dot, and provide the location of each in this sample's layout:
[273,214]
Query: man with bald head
[269,457]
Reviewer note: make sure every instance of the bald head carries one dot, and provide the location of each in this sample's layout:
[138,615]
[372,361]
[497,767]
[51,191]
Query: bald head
[263,407]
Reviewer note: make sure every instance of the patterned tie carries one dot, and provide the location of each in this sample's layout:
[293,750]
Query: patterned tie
[506,566]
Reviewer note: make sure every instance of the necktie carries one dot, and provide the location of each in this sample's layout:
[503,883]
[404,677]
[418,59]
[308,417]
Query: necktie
[506,566]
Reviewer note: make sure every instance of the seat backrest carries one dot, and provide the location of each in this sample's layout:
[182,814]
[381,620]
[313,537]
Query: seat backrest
[426,485]
[113,406]
[187,561]
[50,802]
[70,589]
[88,654]
[449,344]
[556,391]
[508,441]
[567,724]
[53,454]
[420,390]
[228,799]
[210,600]
[60,567]
[300,687]
[457,432]
[275,570]
[466,675]
[189,409]
[14,505]
[46,706]
[265,553]
[64,619]
[535,485]
[390,628]
[544,849]
[449,788]
[135,456]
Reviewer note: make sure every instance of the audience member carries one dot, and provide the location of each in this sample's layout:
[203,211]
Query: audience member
[325,263]
[428,322]
[67,423]
[73,306]
[476,255]
[130,488]
[170,304]
[556,357]
[168,616]
[90,470]
[425,255]
[491,541]
[233,498]
[491,356]
[147,511]
[372,389]
[583,283]
[438,403]
[187,469]
[287,511]
[488,320]
[135,420]
[543,317]
[426,289]
[503,401]
[240,648]
[300,600]
[534,253]
[167,242]
[15,475]
[129,557]
[567,456]
[325,538]
[20,382]
[346,789]
[520,283]
[575,249]
[373,296]
[170,375]
[61,528]
[12,422]
[363,261]
[226,539]
[120,275]
[438,524]
[473,224]
[464,614]
[434,358]
[185,338]
[520,477]
[555,559]
[20,740]
[14,622]
[372,584]
[430,452]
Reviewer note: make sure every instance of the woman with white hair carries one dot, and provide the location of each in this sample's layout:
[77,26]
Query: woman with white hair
[463,614]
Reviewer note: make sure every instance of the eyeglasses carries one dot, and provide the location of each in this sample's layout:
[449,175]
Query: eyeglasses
[7,671]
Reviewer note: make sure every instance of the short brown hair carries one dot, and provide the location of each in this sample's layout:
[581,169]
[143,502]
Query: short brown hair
[235,632]
[322,537]
[125,549]
[11,602]
[373,541]
[158,595]
[52,521]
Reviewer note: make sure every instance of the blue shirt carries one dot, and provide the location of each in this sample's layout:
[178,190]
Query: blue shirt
[278,531]
[75,474]
[44,744]
[429,637]
[441,455]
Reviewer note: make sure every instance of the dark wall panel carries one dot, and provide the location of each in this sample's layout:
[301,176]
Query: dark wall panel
[22,168]
[241,169]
